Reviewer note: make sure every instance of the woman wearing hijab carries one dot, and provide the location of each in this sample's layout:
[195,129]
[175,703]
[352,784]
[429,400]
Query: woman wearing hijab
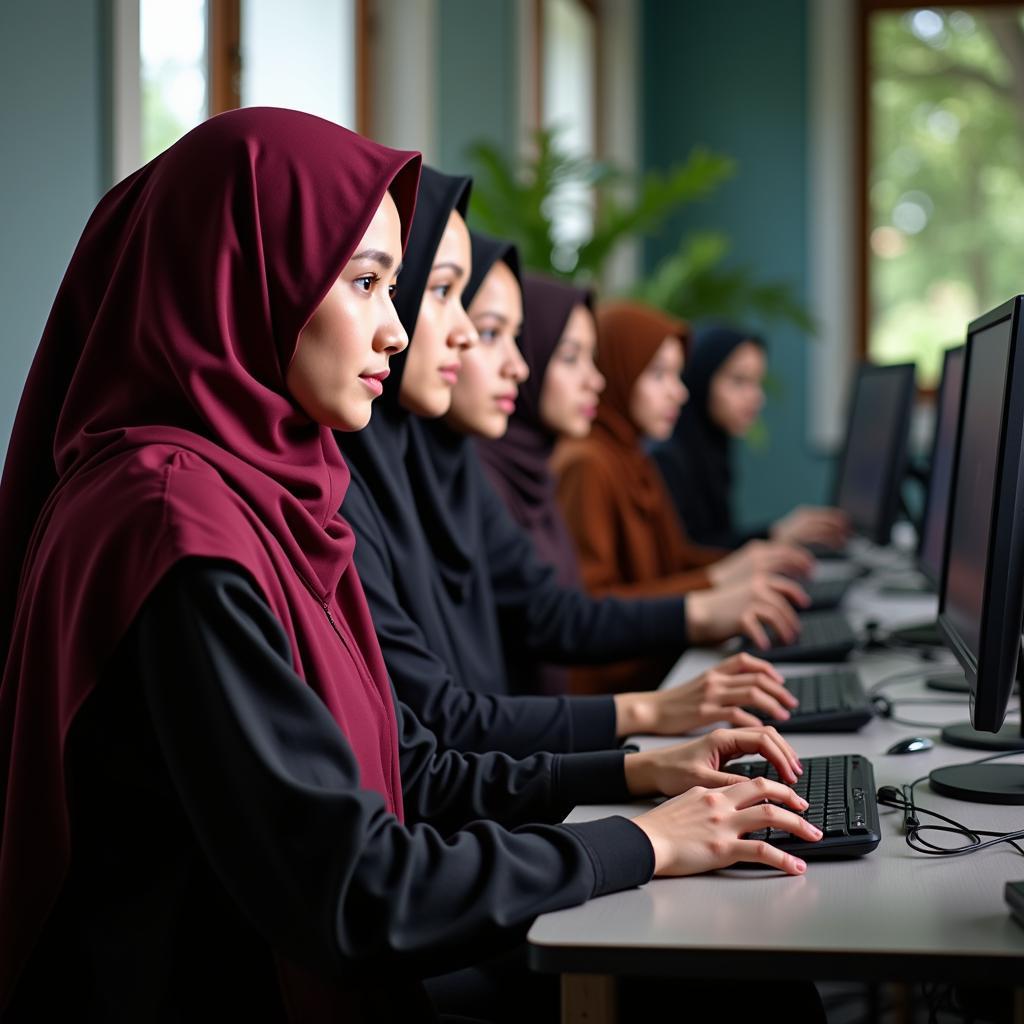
[558,330]
[559,397]
[628,537]
[213,808]
[724,377]
[451,580]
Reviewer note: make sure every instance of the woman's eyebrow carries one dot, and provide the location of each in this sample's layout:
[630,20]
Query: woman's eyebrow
[386,260]
[490,312]
[459,270]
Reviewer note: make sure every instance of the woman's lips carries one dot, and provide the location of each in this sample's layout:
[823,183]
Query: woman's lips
[506,403]
[450,374]
[588,411]
[375,382]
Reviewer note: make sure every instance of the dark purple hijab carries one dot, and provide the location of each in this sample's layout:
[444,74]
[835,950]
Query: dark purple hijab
[517,464]
[155,425]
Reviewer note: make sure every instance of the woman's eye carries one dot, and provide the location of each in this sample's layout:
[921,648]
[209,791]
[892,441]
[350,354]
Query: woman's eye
[441,290]
[366,282]
[489,335]
[392,290]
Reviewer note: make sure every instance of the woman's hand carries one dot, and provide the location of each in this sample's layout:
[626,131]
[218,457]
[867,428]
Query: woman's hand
[702,829]
[813,525]
[761,556]
[765,600]
[719,695]
[702,762]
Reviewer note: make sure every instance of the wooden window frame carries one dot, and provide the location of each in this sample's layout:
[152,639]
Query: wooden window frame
[224,59]
[593,9]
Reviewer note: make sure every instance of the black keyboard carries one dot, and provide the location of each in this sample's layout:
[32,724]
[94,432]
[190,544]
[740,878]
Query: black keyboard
[824,636]
[826,594]
[829,702]
[841,793]
[826,554]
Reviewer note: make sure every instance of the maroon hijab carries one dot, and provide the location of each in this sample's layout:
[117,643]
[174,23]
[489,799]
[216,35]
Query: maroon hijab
[154,426]
[517,464]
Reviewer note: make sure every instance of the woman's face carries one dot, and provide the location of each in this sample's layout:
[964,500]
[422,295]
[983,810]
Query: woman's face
[341,356]
[572,383]
[485,395]
[658,393]
[443,329]
[736,395]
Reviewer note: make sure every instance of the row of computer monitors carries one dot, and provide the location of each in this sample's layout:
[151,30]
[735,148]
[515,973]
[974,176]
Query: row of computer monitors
[974,489]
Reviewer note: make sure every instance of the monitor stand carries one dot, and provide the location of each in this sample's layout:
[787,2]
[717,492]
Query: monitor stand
[906,588]
[956,682]
[949,682]
[991,782]
[925,634]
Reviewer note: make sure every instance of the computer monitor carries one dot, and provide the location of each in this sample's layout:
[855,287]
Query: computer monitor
[874,456]
[981,596]
[931,544]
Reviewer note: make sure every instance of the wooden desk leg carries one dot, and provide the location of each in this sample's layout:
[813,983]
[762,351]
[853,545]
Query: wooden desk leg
[589,999]
[903,1002]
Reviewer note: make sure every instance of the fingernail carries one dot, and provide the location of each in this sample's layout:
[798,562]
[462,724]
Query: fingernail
[817,831]
[801,866]
[804,803]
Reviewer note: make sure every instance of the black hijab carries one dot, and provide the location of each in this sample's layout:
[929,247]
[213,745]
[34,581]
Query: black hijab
[517,464]
[376,454]
[441,464]
[696,461]
[410,474]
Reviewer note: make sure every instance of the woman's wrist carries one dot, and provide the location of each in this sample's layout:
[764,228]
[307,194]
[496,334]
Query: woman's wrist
[640,774]
[635,713]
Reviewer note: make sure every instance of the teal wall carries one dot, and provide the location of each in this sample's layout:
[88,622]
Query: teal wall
[732,75]
[477,78]
[53,168]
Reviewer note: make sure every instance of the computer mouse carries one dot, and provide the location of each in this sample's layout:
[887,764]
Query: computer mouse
[911,745]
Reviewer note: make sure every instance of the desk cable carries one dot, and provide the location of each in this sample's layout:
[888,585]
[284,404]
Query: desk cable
[885,705]
[902,798]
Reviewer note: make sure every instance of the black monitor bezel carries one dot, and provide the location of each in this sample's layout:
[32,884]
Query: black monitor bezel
[1003,589]
[880,531]
[929,499]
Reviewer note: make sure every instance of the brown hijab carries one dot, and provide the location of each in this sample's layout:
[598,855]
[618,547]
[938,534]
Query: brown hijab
[627,533]
[628,536]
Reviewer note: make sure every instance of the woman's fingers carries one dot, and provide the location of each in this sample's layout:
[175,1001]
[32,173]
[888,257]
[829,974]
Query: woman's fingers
[736,716]
[744,663]
[711,779]
[751,851]
[754,792]
[778,617]
[750,626]
[754,697]
[753,819]
[787,588]
[765,741]
[763,683]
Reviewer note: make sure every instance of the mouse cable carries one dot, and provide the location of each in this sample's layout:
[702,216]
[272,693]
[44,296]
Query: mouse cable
[902,799]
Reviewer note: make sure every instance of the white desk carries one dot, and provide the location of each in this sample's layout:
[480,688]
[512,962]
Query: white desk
[891,915]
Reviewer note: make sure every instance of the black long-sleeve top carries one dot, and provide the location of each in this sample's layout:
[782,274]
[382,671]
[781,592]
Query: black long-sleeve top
[445,647]
[216,818]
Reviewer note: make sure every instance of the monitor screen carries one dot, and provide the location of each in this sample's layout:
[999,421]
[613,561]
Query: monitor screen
[872,466]
[933,530]
[971,513]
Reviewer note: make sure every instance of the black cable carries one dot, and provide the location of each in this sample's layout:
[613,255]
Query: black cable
[890,796]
